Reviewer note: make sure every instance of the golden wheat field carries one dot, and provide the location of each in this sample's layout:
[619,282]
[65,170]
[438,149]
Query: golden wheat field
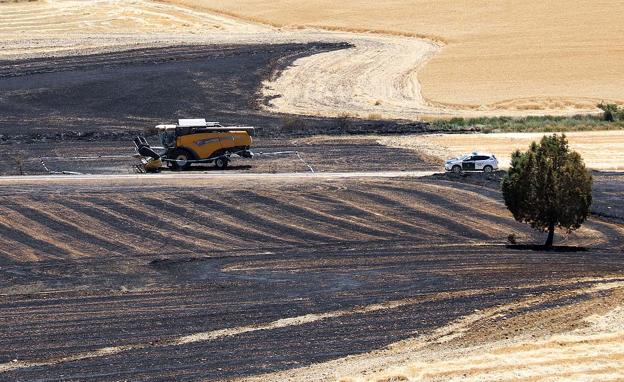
[507,54]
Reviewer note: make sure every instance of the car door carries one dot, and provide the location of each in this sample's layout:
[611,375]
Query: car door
[480,162]
[469,164]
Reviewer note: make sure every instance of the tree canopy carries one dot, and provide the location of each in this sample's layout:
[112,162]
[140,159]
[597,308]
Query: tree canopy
[548,186]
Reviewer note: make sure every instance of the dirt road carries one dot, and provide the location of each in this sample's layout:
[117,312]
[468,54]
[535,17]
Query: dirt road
[200,178]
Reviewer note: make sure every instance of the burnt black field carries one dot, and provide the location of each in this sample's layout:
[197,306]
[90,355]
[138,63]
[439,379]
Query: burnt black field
[126,90]
[139,267]
[116,92]
[94,105]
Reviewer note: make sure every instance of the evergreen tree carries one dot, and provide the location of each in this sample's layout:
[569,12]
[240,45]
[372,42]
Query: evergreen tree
[548,186]
[611,112]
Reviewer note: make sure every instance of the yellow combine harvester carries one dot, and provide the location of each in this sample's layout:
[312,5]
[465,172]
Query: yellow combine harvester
[195,141]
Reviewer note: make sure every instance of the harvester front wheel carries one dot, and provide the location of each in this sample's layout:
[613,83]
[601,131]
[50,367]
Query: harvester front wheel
[181,159]
[221,162]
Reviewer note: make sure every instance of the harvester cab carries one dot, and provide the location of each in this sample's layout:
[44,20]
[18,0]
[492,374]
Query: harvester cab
[197,141]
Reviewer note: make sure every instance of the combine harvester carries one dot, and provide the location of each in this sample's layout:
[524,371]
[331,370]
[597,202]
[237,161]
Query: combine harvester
[194,141]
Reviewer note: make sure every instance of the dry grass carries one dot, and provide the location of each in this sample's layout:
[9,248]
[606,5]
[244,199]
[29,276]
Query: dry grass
[592,348]
[529,51]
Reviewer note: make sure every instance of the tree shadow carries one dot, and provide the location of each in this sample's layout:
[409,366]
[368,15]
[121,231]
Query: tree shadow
[542,248]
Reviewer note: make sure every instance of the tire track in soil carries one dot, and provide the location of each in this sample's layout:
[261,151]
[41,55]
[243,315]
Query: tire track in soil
[425,195]
[269,224]
[28,232]
[426,214]
[336,222]
[357,207]
[134,212]
[154,239]
[95,224]
[33,248]
[234,226]
[72,232]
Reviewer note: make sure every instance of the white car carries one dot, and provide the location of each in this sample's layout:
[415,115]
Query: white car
[472,162]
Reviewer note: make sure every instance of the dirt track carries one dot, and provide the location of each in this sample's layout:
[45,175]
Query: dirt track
[230,279]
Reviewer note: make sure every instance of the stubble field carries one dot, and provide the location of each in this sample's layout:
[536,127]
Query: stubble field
[427,59]
[508,55]
[601,150]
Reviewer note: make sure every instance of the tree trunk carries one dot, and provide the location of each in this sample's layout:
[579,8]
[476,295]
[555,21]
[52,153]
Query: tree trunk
[551,235]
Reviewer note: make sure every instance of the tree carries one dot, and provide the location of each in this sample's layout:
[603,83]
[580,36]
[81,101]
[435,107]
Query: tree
[548,186]
[611,112]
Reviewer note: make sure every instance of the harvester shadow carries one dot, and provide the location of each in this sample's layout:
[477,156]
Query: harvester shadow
[210,168]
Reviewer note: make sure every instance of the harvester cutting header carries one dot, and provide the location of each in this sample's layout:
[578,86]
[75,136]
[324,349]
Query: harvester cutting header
[194,141]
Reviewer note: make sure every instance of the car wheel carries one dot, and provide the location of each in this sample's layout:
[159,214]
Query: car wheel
[488,169]
[456,169]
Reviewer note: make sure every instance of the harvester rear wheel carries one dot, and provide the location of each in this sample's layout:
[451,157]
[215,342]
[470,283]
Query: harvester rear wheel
[221,162]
